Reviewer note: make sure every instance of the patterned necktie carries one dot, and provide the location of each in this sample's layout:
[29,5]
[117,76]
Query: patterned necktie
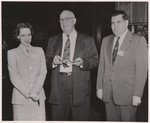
[66,54]
[114,54]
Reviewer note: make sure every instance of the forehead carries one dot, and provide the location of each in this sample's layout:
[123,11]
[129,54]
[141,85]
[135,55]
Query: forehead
[117,18]
[65,14]
[25,31]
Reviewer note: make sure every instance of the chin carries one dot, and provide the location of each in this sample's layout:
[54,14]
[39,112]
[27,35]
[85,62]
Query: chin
[116,34]
[26,44]
[66,32]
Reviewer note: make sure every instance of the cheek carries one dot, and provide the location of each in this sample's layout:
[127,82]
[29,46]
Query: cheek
[21,39]
[122,28]
[112,27]
[61,25]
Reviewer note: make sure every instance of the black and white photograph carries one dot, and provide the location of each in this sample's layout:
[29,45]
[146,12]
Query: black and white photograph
[74,61]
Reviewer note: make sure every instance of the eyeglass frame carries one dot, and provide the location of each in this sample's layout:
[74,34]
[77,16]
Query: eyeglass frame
[65,19]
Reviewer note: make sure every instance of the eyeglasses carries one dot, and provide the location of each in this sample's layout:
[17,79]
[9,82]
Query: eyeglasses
[65,19]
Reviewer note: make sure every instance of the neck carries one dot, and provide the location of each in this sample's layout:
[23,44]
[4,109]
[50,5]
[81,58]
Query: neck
[68,33]
[25,46]
[122,33]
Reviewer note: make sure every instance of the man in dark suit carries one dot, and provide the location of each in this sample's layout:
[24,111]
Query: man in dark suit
[122,70]
[71,56]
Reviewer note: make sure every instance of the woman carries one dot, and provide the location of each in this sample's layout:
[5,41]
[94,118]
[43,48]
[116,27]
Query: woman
[27,70]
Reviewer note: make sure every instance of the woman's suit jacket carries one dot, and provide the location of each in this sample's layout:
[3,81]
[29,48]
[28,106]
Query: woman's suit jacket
[85,49]
[128,75]
[27,74]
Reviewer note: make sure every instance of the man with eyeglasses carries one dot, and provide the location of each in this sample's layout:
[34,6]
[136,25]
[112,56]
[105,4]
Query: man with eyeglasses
[71,56]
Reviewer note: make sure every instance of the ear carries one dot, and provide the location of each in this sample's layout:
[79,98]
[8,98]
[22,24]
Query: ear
[75,20]
[18,37]
[127,23]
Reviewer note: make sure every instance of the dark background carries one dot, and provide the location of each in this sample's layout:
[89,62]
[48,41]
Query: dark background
[93,18]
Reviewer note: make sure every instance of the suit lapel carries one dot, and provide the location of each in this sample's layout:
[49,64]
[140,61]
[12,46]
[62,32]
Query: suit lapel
[23,58]
[109,48]
[78,47]
[59,45]
[126,43]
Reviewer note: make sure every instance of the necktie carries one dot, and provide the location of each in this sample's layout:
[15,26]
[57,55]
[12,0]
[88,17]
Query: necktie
[66,54]
[114,54]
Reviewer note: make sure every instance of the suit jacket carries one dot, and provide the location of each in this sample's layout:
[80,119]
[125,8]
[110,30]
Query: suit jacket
[27,74]
[128,75]
[84,48]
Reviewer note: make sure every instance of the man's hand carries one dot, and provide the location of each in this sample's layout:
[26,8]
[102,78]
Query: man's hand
[57,60]
[100,94]
[66,63]
[78,62]
[136,101]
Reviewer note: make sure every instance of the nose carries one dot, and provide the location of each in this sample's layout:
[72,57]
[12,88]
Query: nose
[115,25]
[27,37]
[64,21]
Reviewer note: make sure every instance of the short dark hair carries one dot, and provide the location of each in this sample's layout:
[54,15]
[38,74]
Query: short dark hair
[120,12]
[22,25]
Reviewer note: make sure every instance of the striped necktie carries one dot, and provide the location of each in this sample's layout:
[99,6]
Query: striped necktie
[114,54]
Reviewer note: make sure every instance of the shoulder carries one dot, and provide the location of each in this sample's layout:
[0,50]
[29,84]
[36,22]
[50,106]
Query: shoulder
[138,38]
[55,37]
[108,37]
[13,51]
[85,38]
[82,35]
[53,40]
[134,36]
[37,49]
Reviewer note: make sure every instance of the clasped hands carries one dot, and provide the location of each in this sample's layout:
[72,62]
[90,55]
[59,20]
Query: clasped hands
[59,61]
[35,97]
[136,100]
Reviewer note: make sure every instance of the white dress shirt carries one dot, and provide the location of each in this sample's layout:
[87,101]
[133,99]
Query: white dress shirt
[120,40]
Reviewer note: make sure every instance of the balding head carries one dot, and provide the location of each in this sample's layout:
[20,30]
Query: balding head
[67,13]
[67,21]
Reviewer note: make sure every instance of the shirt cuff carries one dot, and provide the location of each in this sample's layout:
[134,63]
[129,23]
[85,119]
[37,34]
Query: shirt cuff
[54,65]
[81,66]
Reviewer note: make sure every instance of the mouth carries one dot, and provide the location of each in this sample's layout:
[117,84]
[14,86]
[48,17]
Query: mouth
[27,42]
[116,30]
[65,26]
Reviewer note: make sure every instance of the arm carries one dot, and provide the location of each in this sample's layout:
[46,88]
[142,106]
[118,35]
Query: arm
[15,77]
[100,73]
[90,62]
[41,77]
[50,52]
[141,66]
